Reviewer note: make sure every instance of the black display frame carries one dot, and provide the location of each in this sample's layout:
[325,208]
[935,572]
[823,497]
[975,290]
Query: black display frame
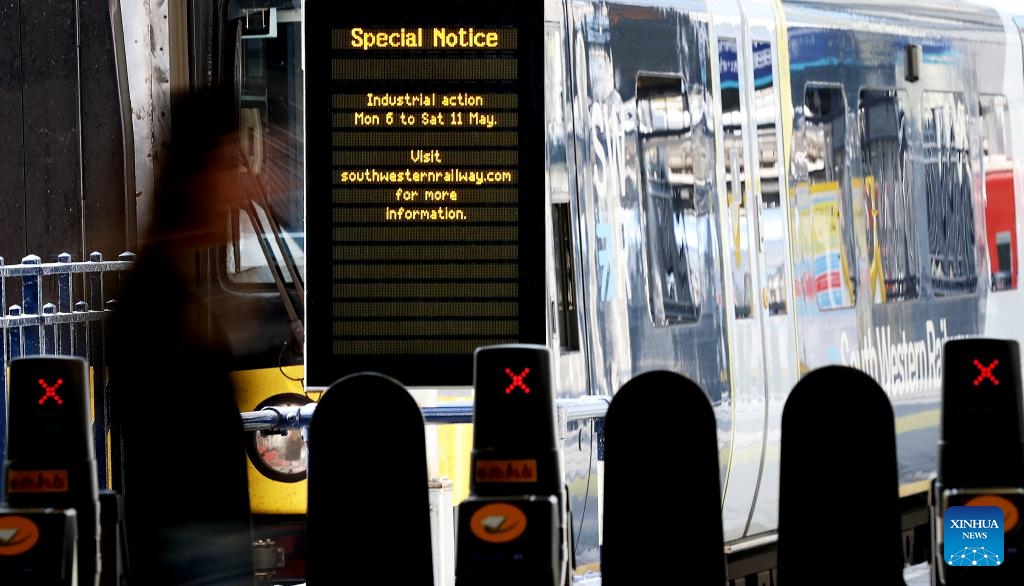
[322,18]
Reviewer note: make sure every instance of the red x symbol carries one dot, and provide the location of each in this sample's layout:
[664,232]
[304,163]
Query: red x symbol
[986,372]
[51,391]
[517,381]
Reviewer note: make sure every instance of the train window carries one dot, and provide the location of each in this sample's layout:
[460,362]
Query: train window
[832,239]
[949,192]
[888,196]
[568,321]
[1000,211]
[772,233]
[737,186]
[673,220]
[267,238]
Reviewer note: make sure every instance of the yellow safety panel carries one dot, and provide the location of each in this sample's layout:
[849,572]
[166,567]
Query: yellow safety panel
[252,387]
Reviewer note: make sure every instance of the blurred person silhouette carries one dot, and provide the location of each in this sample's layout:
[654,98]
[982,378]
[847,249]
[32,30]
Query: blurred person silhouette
[186,502]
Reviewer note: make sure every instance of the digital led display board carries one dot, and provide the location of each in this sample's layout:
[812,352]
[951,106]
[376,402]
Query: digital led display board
[981,391]
[424,186]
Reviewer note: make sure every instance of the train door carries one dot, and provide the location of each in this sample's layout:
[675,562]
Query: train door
[740,274]
[565,336]
[1002,170]
[771,252]
[756,225]
[564,299]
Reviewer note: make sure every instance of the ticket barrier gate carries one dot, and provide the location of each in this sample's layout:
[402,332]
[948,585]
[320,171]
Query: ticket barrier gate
[636,544]
[389,533]
[978,494]
[49,519]
[512,528]
[848,506]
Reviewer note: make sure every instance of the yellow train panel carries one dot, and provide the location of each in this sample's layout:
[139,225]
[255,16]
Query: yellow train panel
[266,495]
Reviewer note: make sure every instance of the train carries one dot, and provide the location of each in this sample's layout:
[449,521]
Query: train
[738,191]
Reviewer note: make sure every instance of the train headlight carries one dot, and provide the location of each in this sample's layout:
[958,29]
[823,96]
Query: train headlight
[282,457]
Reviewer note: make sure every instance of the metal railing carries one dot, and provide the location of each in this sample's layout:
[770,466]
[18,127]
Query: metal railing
[280,419]
[62,310]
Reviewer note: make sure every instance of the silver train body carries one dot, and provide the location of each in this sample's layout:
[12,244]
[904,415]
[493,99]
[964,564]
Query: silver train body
[744,191]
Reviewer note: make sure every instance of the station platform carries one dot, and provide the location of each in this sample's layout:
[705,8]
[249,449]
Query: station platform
[916,575]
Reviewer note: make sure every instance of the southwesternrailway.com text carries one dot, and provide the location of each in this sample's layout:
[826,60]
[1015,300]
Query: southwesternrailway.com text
[461,176]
